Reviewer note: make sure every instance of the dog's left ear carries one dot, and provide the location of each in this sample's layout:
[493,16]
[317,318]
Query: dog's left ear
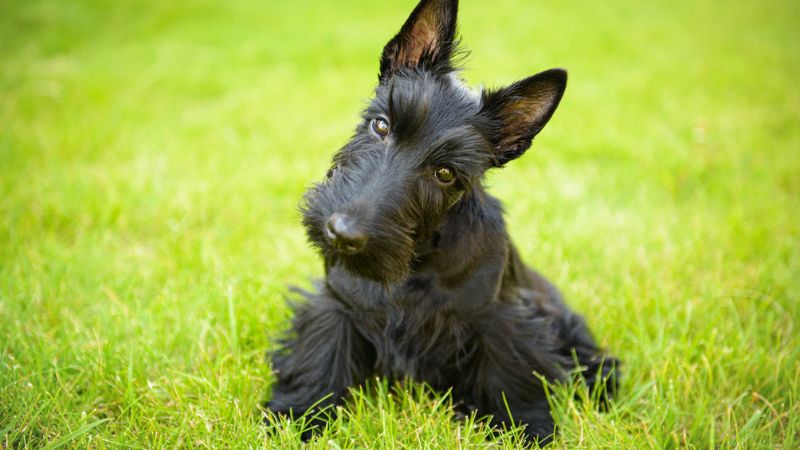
[518,112]
[426,39]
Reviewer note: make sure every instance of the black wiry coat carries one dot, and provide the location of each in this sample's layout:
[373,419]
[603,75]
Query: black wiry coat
[434,291]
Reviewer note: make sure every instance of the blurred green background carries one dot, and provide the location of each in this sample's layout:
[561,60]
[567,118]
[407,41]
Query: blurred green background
[152,154]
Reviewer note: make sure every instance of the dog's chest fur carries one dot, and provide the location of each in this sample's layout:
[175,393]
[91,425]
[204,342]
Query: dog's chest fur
[416,330]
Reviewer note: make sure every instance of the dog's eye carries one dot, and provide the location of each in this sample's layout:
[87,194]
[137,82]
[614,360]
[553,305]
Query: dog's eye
[445,175]
[380,127]
[331,171]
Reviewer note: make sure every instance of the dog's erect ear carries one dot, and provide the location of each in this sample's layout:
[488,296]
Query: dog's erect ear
[518,112]
[426,39]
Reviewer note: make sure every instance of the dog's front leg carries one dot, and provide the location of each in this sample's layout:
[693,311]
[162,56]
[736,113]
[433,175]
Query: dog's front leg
[514,348]
[509,406]
[320,359]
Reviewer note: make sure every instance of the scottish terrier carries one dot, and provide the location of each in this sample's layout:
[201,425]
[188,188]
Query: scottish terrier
[422,281]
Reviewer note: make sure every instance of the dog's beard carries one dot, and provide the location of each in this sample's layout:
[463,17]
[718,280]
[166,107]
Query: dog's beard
[383,264]
[386,257]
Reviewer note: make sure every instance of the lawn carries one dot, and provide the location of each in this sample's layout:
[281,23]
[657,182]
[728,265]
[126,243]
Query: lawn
[153,153]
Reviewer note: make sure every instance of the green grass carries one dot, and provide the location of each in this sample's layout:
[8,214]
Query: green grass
[152,155]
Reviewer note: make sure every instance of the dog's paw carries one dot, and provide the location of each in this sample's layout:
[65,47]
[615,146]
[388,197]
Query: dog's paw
[602,379]
[309,423]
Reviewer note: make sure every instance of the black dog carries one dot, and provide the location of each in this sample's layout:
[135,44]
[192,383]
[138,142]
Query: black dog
[422,281]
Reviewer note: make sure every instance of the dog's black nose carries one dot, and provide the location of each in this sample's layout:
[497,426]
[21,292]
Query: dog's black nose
[344,235]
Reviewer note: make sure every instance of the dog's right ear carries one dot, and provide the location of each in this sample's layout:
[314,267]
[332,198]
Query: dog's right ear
[518,113]
[426,39]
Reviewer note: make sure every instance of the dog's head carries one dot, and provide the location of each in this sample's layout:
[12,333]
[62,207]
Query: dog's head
[425,140]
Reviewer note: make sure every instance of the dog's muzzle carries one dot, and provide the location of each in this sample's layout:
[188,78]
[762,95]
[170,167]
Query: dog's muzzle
[344,234]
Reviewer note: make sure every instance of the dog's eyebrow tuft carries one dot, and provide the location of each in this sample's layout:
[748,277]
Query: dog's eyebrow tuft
[463,148]
[410,101]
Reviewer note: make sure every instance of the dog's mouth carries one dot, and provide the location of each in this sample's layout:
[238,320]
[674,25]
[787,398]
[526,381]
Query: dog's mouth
[384,255]
[381,263]
[376,243]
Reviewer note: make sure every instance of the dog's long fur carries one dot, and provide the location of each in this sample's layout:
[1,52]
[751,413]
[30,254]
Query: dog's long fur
[433,290]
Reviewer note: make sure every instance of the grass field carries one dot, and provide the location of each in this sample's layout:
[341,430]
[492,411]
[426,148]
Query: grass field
[152,154]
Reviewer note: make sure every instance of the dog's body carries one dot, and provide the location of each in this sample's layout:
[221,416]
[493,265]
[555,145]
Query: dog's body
[422,281]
